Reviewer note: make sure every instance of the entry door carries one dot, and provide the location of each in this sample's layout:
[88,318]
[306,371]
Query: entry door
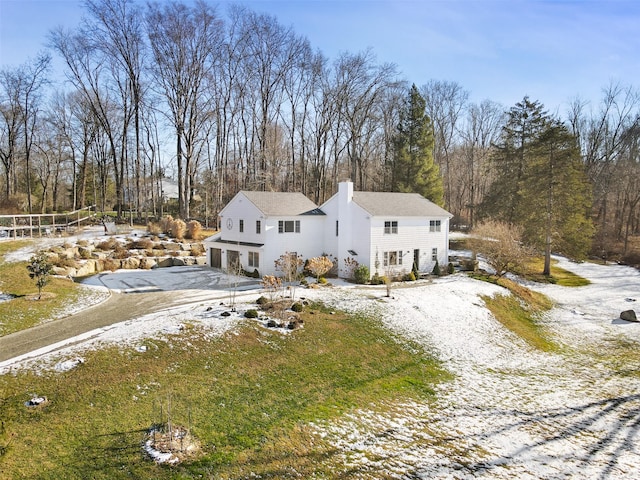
[416,259]
[233,260]
[216,258]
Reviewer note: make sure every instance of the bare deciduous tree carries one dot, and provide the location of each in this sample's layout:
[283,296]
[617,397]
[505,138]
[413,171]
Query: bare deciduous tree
[185,41]
[445,103]
[500,244]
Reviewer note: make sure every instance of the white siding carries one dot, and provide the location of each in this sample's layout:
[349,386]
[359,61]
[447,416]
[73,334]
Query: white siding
[353,232]
[308,243]
[240,208]
[358,231]
[413,233]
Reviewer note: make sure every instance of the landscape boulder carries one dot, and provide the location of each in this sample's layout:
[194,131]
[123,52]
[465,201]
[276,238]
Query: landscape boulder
[629,316]
[131,263]
[147,263]
[165,262]
[86,269]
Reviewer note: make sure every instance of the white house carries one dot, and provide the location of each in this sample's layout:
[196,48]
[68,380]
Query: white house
[388,232]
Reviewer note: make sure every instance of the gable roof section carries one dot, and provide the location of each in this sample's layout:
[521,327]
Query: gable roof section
[282,204]
[395,204]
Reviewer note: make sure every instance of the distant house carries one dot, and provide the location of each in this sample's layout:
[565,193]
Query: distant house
[387,232]
[169,189]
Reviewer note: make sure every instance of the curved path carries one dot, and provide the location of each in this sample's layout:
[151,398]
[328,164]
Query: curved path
[120,307]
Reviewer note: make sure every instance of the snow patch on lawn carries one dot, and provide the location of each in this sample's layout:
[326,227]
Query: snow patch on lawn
[510,411]
[128,334]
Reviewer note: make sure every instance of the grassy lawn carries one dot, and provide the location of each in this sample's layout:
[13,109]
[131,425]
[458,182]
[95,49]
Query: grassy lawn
[559,276]
[247,396]
[520,312]
[24,311]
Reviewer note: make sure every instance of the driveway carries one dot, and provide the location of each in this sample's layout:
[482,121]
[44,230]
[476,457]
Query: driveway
[133,294]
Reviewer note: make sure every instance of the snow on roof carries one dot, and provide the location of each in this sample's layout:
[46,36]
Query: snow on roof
[398,204]
[281,203]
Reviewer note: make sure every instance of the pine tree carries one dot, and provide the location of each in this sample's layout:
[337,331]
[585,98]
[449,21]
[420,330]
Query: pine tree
[557,196]
[414,169]
[540,184]
[525,121]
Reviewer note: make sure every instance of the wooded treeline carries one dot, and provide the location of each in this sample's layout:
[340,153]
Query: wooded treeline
[223,101]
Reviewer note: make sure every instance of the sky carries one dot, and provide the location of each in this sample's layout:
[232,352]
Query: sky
[552,51]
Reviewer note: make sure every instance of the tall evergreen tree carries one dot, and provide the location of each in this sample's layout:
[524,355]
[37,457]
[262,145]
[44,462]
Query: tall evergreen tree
[525,121]
[414,169]
[557,196]
[541,184]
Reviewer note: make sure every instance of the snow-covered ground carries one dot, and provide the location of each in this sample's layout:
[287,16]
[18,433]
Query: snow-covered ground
[510,412]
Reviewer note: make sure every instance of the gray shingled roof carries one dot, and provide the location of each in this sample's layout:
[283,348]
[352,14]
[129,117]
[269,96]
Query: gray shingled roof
[281,203]
[382,204]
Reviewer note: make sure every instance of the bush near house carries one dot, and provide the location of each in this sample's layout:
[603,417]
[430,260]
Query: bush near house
[361,274]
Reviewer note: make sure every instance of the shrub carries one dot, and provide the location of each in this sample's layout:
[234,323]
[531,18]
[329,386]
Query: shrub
[111,264]
[450,268]
[140,244]
[109,244]
[409,277]
[254,274]
[251,313]
[436,269]
[66,262]
[322,280]
[262,300]
[319,266]
[297,307]
[197,249]
[165,224]
[415,271]
[194,229]
[361,274]
[120,252]
[271,284]
[154,228]
[178,229]
[39,270]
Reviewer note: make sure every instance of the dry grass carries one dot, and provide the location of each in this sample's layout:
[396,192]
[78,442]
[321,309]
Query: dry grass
[194,230]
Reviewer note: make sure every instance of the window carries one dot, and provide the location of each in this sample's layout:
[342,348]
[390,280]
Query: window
[434,254]
[434,225]
[258,227]
[337,228]
[254,259]
[241,226]
[288,226]
[392,258]
[390,227]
